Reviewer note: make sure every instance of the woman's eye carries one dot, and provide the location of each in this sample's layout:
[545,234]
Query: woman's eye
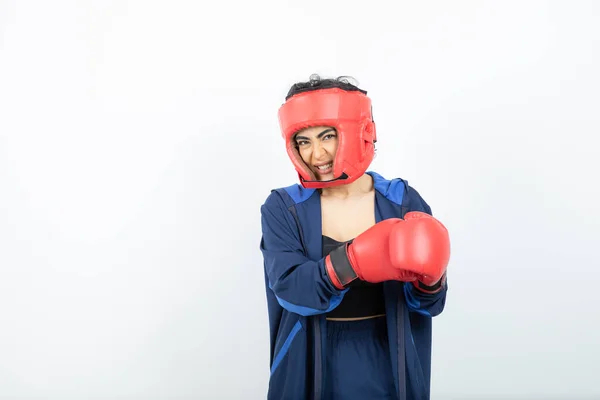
[327,137]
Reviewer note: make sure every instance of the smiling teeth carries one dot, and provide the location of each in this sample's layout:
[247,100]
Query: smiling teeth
[326,166]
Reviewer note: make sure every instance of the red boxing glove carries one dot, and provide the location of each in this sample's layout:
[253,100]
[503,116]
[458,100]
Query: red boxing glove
[422,246]
[414,249]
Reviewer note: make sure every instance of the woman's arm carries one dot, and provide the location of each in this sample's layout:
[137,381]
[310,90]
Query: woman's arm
[300,285]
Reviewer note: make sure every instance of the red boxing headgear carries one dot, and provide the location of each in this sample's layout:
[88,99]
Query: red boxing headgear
[349,112]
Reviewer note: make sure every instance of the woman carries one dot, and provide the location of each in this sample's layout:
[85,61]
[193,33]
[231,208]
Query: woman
[354,263]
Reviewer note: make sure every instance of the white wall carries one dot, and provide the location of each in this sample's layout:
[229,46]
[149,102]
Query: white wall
[138,140]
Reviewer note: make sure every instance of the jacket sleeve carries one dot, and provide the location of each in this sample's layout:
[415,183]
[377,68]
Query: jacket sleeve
[426,302]
[301,285]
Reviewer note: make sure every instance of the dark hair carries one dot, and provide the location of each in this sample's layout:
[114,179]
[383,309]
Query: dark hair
[315,82]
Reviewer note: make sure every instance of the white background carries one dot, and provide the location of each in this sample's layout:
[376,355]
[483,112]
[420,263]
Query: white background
[138,140]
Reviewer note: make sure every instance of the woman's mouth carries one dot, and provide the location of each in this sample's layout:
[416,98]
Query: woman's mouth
[325,168]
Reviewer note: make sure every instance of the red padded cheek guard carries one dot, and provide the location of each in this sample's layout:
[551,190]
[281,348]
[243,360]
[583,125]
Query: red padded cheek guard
[349,113]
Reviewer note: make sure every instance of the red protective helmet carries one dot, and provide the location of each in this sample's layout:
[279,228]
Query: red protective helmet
[350,113]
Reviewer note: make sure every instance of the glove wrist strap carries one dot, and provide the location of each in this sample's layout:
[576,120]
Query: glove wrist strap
[435,288]
[339,268]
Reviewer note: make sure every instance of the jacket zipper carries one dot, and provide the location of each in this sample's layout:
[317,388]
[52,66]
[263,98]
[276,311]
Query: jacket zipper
[401,341]
[318,365]
[401,357]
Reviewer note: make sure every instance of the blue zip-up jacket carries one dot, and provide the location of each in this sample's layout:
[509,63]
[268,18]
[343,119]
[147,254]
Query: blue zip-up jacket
[299,294]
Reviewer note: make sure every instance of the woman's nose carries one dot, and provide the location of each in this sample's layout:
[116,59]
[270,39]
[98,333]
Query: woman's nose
[318,150]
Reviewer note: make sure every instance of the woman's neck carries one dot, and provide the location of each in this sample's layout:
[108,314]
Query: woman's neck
[359,187]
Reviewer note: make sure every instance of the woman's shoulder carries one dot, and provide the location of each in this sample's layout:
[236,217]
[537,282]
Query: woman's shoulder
[288,196]
[393,189]
[398,191]
[278,211]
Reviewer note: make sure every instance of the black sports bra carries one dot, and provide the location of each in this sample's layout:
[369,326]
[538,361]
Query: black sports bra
[364,299]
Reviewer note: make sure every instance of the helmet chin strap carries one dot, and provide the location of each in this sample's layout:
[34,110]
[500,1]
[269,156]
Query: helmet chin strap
[343,176]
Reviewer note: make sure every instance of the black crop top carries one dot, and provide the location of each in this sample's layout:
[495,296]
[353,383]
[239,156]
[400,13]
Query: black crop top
[364,299]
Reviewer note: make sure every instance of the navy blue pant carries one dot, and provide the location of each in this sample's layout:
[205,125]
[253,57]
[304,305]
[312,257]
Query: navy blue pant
[358,361]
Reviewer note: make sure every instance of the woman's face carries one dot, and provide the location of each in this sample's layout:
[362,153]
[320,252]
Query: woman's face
[317,146]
